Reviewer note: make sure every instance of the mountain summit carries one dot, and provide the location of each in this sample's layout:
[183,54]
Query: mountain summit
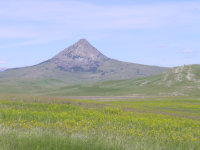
[81,56]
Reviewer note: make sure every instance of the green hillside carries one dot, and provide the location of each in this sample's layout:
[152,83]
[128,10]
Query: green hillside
[179,81]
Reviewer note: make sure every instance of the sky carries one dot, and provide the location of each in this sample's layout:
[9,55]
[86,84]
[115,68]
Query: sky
[152,32]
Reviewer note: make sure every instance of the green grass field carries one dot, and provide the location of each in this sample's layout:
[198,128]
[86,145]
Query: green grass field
[47,123]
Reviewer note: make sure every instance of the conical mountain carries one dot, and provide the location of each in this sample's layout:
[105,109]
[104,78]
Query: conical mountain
[79,63]
[82,49]
[81,56]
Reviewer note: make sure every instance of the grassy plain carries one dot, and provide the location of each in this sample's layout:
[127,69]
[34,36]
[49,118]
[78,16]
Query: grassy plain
[47,123]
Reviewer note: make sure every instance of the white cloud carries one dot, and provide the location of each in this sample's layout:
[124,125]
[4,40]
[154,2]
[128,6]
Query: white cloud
[42,21]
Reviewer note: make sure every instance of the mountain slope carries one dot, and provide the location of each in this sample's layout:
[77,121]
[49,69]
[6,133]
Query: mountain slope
[80,63]
[179,81]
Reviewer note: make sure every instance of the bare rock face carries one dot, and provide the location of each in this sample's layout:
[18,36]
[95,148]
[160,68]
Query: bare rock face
[81,56]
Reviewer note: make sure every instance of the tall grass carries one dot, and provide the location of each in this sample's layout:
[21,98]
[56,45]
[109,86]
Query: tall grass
[82,125]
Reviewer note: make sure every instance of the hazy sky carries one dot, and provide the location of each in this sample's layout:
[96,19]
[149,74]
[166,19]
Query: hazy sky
[154,32]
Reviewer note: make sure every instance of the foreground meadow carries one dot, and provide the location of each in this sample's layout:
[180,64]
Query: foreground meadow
[30,123]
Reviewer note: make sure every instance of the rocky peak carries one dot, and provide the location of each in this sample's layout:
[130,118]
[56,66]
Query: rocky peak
[81,56]
[81,50]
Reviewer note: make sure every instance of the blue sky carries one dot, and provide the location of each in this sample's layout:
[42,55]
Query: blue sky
[154,32]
